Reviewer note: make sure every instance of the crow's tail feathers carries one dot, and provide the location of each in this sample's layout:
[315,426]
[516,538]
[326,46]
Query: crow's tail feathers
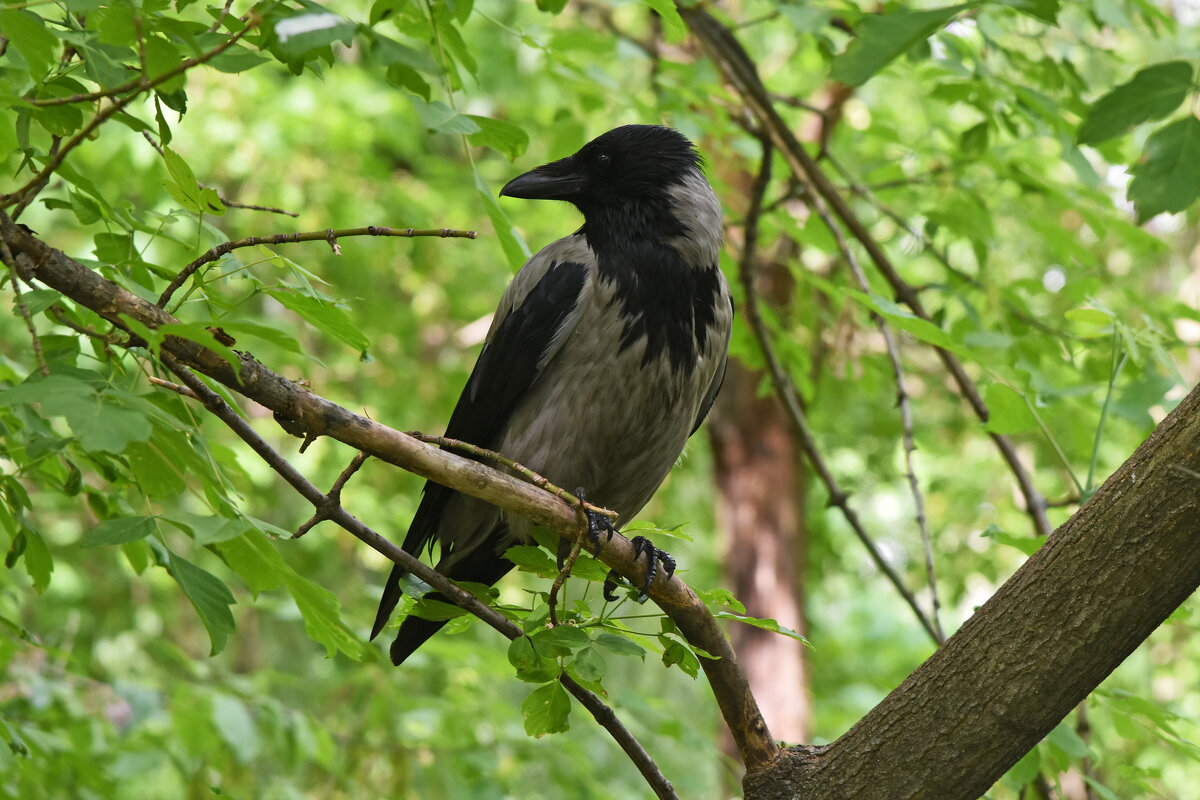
[481,566]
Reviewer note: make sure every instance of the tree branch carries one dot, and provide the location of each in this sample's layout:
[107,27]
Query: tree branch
[740,72]
[36,260]
[328,506]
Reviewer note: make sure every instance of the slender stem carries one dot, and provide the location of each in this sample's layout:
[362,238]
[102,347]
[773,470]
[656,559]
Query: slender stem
[329,235]
[1114,373]
[786,392]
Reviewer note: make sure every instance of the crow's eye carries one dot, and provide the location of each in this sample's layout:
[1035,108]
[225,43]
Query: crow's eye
[603,160]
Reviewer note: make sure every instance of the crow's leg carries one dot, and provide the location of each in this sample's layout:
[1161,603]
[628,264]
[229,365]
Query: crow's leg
[597,524]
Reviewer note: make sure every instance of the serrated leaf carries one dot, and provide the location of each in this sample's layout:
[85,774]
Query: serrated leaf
[1167,176]
[209,596]
[907,321]
[322,315]
[162,57]
[504,137]
[1152,93]
[268,333]
[1007,410]
[119,531]
[322,618]
[879,38]
[547,710]
[255,561]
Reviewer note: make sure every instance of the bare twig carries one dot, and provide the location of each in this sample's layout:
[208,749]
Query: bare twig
[906,416]
[508,463]
[330,506]
[740,72]
[330,235]
[791,403]
[333,497]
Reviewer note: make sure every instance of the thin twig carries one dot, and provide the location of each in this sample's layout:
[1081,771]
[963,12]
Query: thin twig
[334,496]
[459,596]
[568,564]
[791,403]
[26,193]
[330,235]
[38,355]
[902,400]
[739,70]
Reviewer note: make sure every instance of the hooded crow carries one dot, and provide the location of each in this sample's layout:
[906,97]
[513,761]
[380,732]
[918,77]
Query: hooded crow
[604,356]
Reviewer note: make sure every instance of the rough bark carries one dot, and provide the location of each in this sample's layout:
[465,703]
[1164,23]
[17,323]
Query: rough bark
[1098,587]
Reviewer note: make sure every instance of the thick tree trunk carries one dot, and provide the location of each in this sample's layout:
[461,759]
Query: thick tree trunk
[1098,587]
[761,487]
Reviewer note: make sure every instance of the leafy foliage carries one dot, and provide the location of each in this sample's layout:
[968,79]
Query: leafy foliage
[983,143]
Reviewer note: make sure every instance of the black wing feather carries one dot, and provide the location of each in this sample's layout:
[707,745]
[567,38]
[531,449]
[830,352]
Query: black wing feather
[508,365]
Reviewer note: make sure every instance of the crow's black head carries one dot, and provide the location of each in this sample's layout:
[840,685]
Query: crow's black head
[630,164]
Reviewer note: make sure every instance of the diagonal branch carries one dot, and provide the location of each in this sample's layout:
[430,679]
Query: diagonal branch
[36,260]
[740,72]
[329,507]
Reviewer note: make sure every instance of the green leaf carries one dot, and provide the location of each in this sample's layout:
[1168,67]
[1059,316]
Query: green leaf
[161,58]
[531,559]
[589,665]
[1007,410]
[27,33]
[674,28]
[38,561]
[764,624]
[505,138]
[1026,544]
[1152,93]
[678,654]
[209,596]
[255,561]
[268,333]
[1167,176]
[322,315]
[119,531]
[511,242]
[236,727]
[437,116]
[1066,739]
[879,38]
[532,665]
[907,321]
[561,640]
[1025,770]
[1044,10]
[621,645]
[322,620]
[546,710]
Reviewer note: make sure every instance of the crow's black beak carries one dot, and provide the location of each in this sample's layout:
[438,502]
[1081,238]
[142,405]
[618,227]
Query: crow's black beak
[559,180]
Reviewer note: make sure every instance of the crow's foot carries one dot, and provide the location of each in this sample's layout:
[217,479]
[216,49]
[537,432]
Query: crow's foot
[653,556]
[597,524]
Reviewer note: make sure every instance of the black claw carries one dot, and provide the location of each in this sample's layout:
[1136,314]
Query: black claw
[654,556]
[596,523]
